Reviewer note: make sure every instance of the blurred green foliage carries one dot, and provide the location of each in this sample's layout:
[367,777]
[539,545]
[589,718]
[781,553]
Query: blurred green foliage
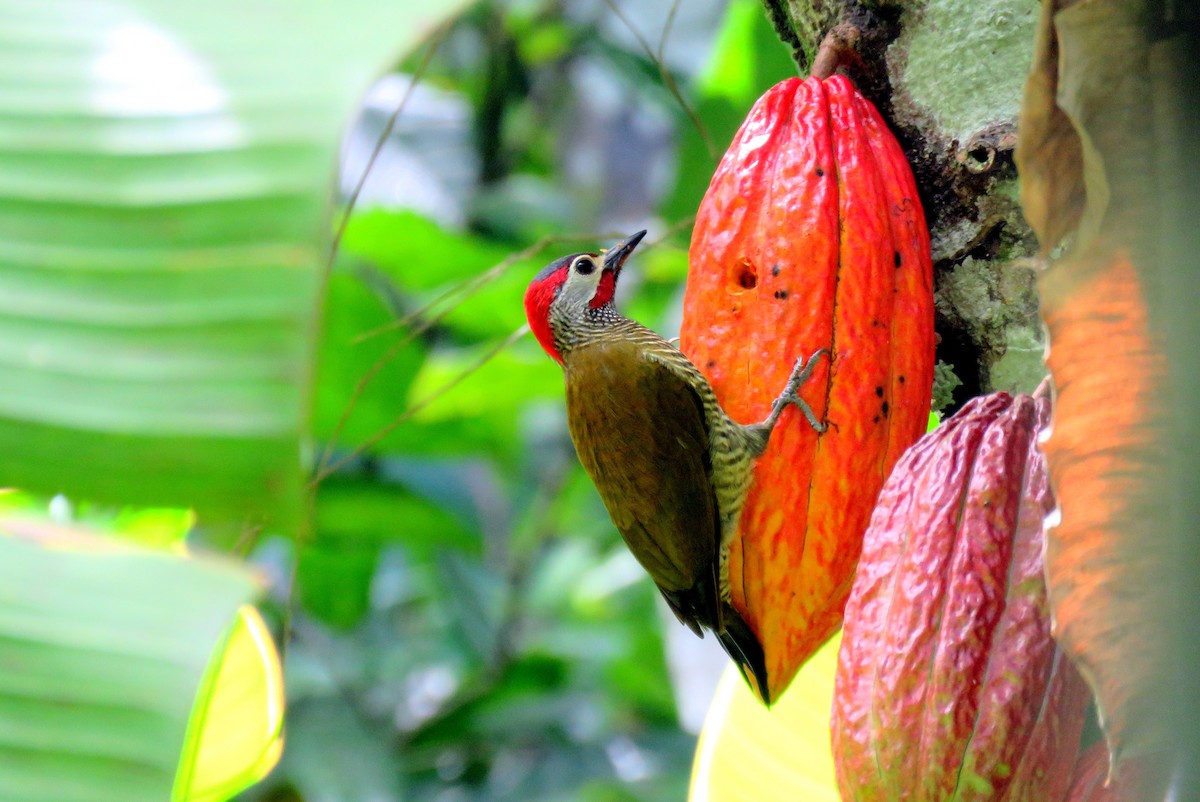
[162,188]
[458,618]
[464,622]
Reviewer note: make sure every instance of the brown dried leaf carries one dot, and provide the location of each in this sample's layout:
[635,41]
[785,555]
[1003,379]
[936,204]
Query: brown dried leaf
[1088,170]
[1104,559]
[1049,155]
[1083,152]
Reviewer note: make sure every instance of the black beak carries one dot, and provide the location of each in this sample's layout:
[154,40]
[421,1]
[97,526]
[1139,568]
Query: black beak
[615,256]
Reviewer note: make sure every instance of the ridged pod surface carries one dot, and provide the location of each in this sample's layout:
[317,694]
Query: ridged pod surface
[949,685]
[811,236]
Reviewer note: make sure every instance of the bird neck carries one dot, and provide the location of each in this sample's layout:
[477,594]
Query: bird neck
[585,326]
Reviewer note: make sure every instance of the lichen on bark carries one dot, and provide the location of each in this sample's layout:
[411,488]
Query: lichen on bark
[802,24]
[947,75]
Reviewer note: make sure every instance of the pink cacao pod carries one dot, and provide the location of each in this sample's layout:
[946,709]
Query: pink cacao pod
[949,684]
[1137,778]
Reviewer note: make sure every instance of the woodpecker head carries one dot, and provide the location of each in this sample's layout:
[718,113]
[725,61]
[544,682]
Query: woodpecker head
[563,292]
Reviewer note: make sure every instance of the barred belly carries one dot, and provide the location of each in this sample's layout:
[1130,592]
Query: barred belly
[733,464]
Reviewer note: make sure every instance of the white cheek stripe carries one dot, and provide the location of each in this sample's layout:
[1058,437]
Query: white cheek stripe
[578,290]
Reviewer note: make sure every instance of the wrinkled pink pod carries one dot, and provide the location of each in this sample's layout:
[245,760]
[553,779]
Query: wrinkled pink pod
[949,684]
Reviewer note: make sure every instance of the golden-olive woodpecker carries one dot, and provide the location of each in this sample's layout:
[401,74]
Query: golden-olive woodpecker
[671,467]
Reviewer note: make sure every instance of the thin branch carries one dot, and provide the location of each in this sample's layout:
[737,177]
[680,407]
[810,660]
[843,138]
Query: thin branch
[466,289]
[666,31]
[422,320]
[435,42]
[667,78]
[476,283]
[248,539]
[405,416]
[672,230]
[427,321]
[304,534]
[289,595]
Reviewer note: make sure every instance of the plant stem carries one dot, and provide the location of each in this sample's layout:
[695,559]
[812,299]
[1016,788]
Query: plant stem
[838,50]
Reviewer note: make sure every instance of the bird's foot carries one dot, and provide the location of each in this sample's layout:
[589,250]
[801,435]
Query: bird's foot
[801,373]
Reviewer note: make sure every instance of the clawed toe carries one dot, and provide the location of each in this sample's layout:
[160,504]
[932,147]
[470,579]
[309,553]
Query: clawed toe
[801,373]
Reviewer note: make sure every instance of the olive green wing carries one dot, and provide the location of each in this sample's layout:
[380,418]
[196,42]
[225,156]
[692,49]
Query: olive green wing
[641,434]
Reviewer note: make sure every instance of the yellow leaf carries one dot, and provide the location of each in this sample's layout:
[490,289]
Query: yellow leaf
[777,755]
[235,735]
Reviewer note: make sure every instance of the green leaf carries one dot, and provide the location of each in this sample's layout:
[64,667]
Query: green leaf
[164,181]
[747,60]
[359,512]
[104,649]
[236,732]
[335,754]
[352,309]
[334,582]
[480,413]
[158,528]
[475,597]
[416,252]
[354,520]
[425,262]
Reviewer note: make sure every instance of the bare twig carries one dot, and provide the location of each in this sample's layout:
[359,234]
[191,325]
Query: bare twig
[666,31]
[667,78]
[427,321]
[304,534]
[405,416]
[422,320]
[435,42]
[476,283]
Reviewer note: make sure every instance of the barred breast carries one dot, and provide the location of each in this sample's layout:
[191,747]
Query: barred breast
[732,446]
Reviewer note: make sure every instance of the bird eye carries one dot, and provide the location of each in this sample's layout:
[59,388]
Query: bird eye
[584,266]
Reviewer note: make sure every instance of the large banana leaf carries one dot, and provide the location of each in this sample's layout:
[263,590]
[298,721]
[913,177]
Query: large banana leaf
[165,170]
[103,648]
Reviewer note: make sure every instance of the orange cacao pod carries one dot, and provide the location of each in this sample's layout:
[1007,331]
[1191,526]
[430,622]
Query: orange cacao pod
[949,684]
[811,236]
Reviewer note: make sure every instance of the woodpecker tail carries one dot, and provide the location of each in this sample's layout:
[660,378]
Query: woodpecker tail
[701,607]
[747,653]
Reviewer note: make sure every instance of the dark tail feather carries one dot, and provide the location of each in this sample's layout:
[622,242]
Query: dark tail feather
[745,650]
[700,606]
